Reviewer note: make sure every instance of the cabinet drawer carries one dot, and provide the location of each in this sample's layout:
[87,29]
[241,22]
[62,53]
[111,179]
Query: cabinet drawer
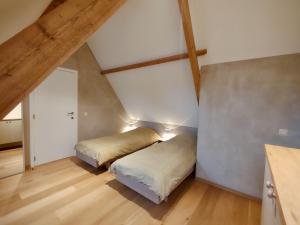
[270,208]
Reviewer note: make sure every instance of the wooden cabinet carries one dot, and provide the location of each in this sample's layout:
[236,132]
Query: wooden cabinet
[271,214]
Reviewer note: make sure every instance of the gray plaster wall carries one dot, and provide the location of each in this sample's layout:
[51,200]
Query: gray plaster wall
[242,107]
[100,112]
[163,128]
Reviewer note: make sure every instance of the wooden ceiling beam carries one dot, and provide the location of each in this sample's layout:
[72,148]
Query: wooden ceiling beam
[31,55]
[190,43]
[152,62]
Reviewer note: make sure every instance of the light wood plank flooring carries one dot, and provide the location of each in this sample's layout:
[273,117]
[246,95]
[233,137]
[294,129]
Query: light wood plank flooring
[70,192]
[11,162]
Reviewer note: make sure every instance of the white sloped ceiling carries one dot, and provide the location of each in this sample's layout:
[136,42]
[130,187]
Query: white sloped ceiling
[231,30]
[148,29]
[15,15]
[144,30]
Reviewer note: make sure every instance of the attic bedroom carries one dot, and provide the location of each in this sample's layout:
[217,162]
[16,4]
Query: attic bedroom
[150,112]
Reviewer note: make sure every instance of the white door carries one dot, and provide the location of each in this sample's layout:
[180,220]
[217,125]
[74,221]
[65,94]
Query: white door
[53,123]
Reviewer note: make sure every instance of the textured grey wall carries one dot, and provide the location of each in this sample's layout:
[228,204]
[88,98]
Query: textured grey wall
[106,114]
[242,107]
[161,129]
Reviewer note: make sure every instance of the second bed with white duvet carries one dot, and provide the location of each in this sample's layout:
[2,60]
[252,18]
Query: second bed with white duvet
[157,170]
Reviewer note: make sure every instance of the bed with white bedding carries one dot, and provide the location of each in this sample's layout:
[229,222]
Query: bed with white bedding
[103,150]
[157,170]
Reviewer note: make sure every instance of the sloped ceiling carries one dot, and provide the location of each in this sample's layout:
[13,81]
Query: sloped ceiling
[15,15]
[234,30]
[231,30]
[144,30]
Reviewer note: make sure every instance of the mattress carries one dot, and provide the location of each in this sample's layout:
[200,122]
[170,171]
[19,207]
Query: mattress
[105,149]
[161,167]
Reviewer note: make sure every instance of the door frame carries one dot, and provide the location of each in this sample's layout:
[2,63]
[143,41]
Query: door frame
[24,138]
[30,135]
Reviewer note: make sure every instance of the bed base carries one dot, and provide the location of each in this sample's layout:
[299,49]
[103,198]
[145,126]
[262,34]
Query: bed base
[139,188]
[93,162]
[143,189]
[87,159]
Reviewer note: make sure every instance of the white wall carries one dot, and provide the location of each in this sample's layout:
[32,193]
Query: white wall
[162,94]
[234,30]
[15,15]
[143,30]
[15,114]
[11,131]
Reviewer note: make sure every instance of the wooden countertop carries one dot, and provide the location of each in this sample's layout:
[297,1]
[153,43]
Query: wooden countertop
[285,169]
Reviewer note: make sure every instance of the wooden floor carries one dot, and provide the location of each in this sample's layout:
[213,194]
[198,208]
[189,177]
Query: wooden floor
[69,192]
[11,162]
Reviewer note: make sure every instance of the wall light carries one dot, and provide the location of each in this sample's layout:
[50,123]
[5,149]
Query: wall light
[129,128]
[167,135]
[132,124]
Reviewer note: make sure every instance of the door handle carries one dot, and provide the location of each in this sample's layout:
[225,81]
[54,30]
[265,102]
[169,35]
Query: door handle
[71,114]
[269,185]
[271,194]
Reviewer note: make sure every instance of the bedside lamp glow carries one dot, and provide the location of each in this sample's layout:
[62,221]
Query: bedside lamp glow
[131,126]
[167,135]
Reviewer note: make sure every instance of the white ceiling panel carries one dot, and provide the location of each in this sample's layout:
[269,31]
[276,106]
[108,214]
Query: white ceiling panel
[163,93]
[15,15]
[143,30]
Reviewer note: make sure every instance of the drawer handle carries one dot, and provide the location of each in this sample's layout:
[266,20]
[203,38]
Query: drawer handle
[271,194]
[269,185]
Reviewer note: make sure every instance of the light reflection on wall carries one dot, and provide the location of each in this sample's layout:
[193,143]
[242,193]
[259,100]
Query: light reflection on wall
[131,125]
[167,134]
[15,114]
[129,128]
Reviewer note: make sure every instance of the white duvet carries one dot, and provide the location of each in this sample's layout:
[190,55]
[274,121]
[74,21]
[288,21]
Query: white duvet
[161,166]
